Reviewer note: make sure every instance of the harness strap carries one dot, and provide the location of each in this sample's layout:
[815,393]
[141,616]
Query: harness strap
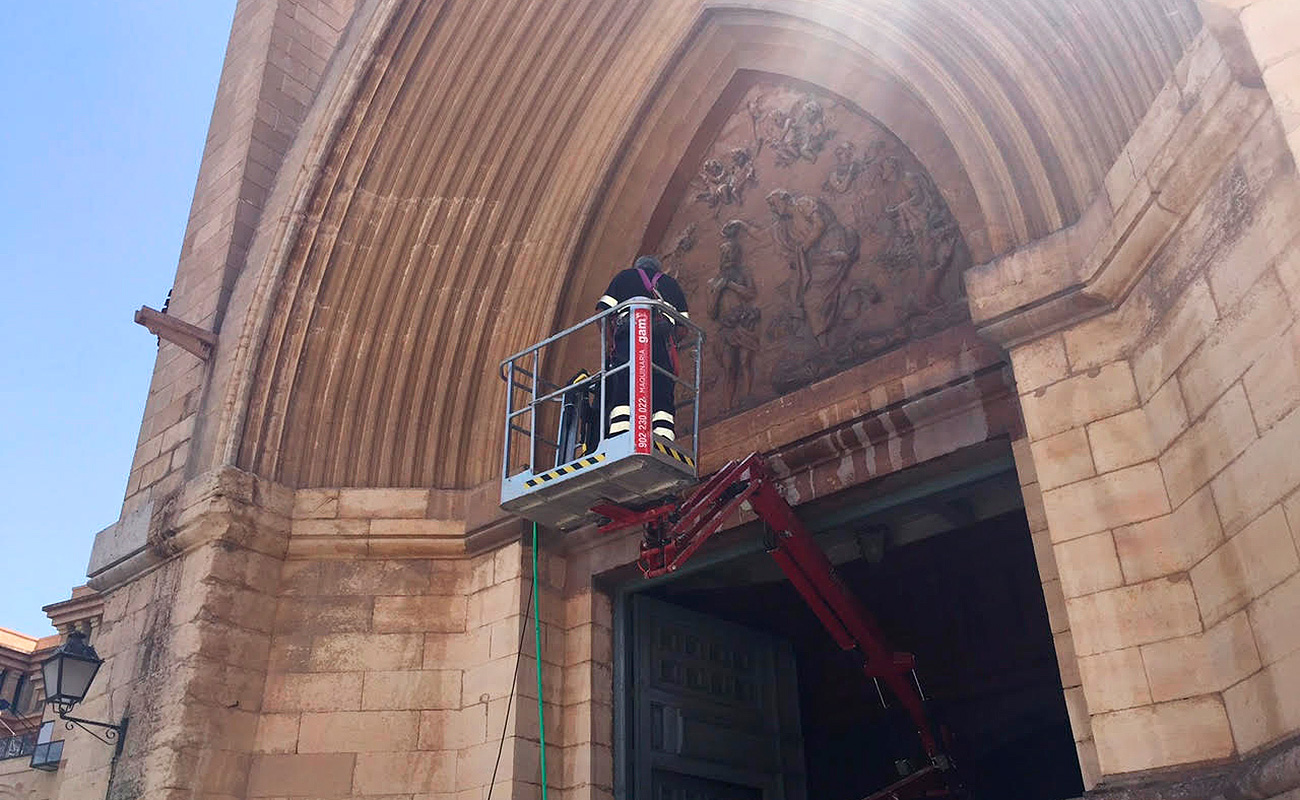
[651,283]
[650,286]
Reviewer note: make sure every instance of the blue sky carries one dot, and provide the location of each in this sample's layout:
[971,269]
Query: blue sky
[105,111]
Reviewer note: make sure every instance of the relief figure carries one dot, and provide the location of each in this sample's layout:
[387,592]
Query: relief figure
[731,304]
[812,238]
[819,251]
[848,166]
[725,182]
[926,232]
[675,257]
[912,214]
[801,133]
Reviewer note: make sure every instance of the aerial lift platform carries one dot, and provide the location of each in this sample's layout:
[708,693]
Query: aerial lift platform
[635,479]
[557,480]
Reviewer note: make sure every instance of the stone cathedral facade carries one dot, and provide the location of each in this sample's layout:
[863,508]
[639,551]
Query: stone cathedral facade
[1006,290]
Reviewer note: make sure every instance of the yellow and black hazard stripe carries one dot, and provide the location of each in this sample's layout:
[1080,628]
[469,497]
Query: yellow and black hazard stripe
[567,469]
[677,454]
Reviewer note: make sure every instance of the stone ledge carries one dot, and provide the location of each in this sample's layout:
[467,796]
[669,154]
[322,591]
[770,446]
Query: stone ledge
[1090,268]
[1266,774]
[226,504]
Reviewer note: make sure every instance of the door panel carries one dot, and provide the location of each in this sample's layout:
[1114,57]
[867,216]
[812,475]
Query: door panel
[715,709]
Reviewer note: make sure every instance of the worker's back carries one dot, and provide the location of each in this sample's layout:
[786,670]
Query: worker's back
[643,279]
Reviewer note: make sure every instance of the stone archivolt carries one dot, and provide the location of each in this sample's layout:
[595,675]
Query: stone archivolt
[453,225]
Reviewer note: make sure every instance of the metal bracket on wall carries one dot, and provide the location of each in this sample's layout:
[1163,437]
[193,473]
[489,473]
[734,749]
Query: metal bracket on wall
[191,337]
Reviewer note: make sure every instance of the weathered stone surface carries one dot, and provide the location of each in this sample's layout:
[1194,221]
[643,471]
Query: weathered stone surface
[1078,400]
[379,577]
[1261,476]
[1169,544]
[367,651]
[1183,329]
[1057,616]
[1088,564]
[457,652]
[126,536]
[316,504]
[276,733]
[1063,459]
[330,614]
[1121,441]
[1246,332]
[1273,620]
[1024,458]
[430,614]
[412,689]
[1203,663]
[493,679]
[383,503]
[1044,556]
[404,773]
[1208,446]
[324,691]
[331,527]
[1114,680]
[1108,501]
[319,775]
[1167,414]
[1266,705]
[1246,566]
[358,731]
[1133,615]
[1273,383]
[454,729]
[1040,363]
[1180,732]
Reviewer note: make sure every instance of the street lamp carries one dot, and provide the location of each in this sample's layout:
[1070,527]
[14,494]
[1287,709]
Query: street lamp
[68,673]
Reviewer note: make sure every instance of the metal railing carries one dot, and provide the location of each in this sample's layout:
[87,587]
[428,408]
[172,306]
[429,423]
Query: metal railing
[533,399]
[17,746]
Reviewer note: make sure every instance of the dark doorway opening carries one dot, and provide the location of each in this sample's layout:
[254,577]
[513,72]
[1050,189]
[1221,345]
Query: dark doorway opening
[951,577]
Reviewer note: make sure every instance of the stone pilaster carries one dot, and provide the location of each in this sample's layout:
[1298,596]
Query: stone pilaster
[186,635]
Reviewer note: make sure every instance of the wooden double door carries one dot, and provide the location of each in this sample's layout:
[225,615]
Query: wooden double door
[714,709]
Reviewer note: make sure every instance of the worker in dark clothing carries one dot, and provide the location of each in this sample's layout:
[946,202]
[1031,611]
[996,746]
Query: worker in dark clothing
[643,279]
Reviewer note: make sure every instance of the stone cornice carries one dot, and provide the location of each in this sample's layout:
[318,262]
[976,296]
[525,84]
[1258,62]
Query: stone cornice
[942,419]
[82,611]
[1190,133]
[226,504]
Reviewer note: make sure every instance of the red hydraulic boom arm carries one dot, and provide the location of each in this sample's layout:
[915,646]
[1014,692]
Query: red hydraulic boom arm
[674,531]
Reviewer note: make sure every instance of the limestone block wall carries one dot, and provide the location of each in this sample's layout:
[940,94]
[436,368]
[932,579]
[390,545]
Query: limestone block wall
[274,63]
[588,698]
[1163,433]
[1057,616]
[184,641]
[1266,30]
[395,656]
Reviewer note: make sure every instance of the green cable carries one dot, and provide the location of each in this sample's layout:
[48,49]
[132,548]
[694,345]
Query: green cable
[537,632]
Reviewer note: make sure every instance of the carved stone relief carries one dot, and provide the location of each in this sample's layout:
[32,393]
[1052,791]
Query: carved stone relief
[810,240]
